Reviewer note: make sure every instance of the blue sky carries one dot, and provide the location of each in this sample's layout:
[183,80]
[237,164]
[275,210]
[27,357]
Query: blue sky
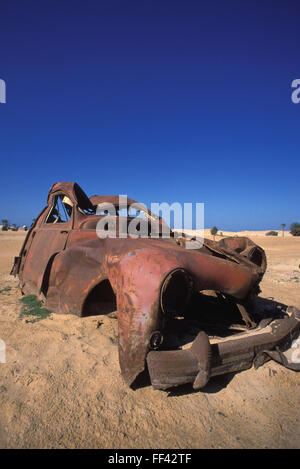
[164,101]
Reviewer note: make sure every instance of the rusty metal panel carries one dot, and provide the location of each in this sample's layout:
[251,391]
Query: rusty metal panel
[66,263]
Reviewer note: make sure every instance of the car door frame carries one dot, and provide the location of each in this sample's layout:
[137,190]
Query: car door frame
[37,249]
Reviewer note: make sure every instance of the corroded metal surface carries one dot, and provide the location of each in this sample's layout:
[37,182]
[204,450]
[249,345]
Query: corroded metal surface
[70,268]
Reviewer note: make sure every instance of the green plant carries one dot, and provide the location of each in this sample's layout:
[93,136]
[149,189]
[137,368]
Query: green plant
[31,306]
[272,233]
[214,231]
[5,225]
[295,229]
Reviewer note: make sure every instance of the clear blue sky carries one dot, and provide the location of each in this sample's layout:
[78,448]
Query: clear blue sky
[163,100]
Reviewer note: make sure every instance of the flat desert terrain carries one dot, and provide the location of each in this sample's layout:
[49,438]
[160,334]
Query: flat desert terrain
[61,385]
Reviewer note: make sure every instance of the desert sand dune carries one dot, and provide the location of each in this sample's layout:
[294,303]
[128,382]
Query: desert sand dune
[61,385]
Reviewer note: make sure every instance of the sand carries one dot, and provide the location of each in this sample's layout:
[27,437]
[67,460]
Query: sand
[61,385]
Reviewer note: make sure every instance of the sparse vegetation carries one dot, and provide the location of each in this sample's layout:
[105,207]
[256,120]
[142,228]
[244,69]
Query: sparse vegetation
[272,233]
[5,225]
[295,229]
[32,307]
[214,231]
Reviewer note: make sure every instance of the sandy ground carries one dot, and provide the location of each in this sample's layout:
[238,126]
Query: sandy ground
[61,384]
[251,234]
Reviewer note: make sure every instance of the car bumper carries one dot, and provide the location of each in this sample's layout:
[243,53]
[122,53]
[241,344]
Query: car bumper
[273,339]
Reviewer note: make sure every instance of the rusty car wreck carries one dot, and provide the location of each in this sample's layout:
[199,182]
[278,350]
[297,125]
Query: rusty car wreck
[184,315]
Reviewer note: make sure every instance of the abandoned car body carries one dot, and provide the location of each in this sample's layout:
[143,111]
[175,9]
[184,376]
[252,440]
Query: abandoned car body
[157,288]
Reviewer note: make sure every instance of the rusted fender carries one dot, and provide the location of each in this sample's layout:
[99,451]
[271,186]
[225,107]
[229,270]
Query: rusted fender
[137,276]
[74,273]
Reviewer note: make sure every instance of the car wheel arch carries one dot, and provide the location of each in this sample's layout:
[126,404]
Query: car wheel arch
[99,299]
